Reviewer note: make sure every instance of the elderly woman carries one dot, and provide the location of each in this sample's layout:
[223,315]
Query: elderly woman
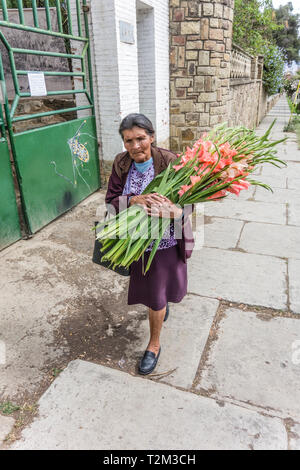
[166,280]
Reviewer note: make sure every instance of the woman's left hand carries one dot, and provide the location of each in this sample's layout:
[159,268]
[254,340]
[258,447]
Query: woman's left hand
[165,208]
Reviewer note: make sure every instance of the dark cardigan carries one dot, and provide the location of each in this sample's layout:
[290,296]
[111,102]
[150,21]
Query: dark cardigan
[117,180]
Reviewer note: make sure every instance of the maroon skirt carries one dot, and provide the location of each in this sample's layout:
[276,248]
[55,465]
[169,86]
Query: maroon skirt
[166,280]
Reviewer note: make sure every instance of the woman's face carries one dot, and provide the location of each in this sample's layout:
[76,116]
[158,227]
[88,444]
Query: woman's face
[138,143]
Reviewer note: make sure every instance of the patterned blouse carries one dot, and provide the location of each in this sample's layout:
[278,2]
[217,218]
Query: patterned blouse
[136,183]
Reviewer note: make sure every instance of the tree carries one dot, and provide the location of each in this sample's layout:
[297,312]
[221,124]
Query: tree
[253,24]
[287,37]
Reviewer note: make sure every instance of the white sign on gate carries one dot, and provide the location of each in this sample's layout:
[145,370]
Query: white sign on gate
[37,83]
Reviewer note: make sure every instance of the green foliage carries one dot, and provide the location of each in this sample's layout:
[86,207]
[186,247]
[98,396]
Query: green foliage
[254,27]
[253,24]
[7,407]
[273,75]
[287,37]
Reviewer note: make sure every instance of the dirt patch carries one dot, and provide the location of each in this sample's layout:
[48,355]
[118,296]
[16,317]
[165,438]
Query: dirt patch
[100,333]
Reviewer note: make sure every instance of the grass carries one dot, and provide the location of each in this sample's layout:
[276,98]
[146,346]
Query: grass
[8,408]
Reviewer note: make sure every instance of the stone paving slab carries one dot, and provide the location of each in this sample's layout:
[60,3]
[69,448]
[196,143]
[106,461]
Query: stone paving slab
[292,152]
[278,181]
[248,210]
[291,170]
[275,240]
[255,365]
[293,182]
[6,425]
[93,407]
[294,214]
[222,233]
[294,285]
[295,439]
[238,277]
[279,195]
[183,339]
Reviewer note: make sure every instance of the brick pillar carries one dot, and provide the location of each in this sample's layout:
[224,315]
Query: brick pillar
[200,46]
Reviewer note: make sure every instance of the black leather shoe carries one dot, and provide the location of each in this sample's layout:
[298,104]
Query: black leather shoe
[148,362]
[167,313]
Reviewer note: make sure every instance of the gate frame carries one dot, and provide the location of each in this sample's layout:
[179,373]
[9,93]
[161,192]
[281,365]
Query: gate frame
[82,10]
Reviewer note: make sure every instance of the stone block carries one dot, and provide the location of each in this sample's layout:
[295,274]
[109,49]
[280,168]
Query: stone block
[173,55]
[178,14]
[192,118]
[199,107]
[180,93]
[192,68]
[194,45]
[178,119]
[207,9]
[218,13]
[207,71]
[208,97]
[217,34]
[204,29]
[226,13]
[204,119]
[225,24]
[193,9]
[187,135]
[190,27]
[221,47]
[186,106]
[210,45]
[216,110]
[214,22]
[178,40]
[215,62]
[203,58]
[183,82]
[199,83]
[191,55]
[207,83]
[180,57]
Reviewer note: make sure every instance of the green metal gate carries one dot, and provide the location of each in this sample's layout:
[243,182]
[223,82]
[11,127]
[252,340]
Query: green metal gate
[57,165]
[9,219]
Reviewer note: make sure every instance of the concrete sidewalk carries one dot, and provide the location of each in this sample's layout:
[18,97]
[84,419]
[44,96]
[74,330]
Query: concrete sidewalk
[230,361]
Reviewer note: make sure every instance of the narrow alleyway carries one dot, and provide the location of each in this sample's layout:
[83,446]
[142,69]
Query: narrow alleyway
[229,369]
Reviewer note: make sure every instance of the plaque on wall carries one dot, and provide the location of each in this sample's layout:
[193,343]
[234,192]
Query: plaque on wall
[126,32]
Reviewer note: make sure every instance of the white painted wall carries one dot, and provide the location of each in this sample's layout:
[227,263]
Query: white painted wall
[125,81]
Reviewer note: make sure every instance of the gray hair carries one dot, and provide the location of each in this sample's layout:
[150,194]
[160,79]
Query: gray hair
[138,120]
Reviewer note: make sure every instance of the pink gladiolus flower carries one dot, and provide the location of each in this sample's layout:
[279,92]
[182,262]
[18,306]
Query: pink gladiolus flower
[221,193]
[184,189]
[237,187]
[178,167]
[195,179]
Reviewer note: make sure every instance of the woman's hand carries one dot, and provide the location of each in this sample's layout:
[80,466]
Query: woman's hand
[157,205]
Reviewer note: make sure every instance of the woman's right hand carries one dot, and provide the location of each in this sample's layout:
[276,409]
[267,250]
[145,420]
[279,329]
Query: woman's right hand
[148,200]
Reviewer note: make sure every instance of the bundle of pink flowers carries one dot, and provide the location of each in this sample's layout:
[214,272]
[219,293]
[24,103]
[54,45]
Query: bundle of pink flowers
[219,163]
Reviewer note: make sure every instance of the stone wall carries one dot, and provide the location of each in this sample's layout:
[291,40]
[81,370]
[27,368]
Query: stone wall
[200,50]
[244,103]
